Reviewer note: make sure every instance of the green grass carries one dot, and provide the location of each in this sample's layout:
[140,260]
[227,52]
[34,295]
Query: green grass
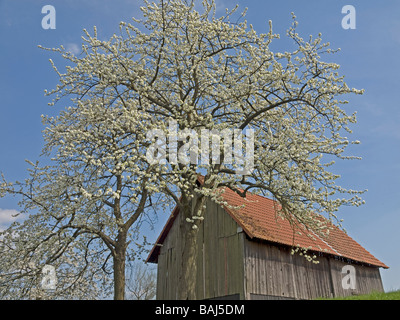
[393,295]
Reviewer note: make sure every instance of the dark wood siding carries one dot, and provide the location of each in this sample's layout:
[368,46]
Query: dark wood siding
[220,268]
[271,272]
[367,278]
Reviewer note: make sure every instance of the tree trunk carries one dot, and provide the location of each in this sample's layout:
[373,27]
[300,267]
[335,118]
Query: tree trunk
[188,276]
[119,267]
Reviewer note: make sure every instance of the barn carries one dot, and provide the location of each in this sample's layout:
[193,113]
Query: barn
[246,254]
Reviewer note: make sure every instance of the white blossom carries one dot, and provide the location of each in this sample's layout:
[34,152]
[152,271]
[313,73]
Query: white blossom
[205,72]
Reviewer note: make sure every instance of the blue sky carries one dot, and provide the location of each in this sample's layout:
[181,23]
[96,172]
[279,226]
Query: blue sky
[369,59]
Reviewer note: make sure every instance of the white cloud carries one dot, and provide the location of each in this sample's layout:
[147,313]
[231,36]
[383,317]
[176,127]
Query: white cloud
[73,48]
[7,216]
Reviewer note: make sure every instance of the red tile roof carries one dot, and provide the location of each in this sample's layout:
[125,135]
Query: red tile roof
[259,220]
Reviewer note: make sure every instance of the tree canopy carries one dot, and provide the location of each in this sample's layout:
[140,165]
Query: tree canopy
[182,64]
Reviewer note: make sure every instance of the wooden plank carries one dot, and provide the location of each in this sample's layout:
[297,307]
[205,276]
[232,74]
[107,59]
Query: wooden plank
[272,271]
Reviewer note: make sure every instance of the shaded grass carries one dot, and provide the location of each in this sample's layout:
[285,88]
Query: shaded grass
[393,295]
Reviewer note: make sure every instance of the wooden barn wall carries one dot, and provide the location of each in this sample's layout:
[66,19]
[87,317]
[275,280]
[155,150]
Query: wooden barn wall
[220,268]
[271,272]
[367,279]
